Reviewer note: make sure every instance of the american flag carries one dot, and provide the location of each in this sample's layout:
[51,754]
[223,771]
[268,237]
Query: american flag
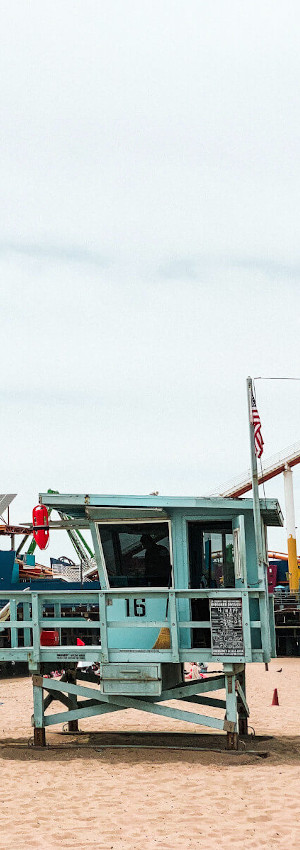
[255,419]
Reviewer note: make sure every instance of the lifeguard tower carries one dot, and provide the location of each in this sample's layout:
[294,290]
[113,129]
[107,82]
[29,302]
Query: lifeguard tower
[180,581]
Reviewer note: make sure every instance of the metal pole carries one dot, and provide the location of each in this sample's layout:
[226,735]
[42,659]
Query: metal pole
[255,491]
[291,530]
[259,543]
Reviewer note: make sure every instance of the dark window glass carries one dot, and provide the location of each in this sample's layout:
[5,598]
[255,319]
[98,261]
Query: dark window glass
[211,555]
[137,554]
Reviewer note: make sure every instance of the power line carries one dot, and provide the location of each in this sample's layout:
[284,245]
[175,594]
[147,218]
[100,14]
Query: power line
[262,378]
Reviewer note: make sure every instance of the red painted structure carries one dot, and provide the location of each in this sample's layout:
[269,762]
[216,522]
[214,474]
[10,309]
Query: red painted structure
[272,577]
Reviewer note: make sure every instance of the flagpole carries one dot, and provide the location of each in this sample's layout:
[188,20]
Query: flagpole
[259,543]
[255,491]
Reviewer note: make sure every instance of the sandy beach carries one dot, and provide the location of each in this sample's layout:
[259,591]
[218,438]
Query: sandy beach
[75,794]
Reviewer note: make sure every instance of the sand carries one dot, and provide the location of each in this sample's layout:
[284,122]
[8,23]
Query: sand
[82,796]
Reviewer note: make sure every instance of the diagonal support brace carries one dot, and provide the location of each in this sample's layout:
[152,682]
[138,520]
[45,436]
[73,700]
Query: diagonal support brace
[242,697]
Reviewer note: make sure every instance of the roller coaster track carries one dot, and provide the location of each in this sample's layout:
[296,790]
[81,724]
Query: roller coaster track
[274,466]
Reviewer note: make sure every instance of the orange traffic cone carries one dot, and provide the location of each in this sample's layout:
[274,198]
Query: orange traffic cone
[275,700]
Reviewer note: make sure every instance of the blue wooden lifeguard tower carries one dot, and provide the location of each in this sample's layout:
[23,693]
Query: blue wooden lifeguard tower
[181,579]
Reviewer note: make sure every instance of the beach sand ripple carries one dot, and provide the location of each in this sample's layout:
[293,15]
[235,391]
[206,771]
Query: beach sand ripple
[82,796]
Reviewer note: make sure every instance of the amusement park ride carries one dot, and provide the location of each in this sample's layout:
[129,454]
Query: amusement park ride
[281,463]
[179,580]
[283,570]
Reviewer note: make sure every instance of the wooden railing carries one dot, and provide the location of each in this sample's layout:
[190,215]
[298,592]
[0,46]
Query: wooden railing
[31,612]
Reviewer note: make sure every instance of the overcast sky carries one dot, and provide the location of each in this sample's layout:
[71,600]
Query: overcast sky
[149,243]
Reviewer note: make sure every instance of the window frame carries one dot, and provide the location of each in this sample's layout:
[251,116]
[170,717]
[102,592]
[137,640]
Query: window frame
[137,521]
[209,525]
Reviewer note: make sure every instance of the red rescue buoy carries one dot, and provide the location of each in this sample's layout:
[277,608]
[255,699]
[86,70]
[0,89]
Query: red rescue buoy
[40,518]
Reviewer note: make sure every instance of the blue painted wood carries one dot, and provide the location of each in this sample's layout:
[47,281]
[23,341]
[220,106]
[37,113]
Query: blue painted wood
[57,615]
[38,707]
[78,714]
[13,626]
[129,638]
[91,598]
[103,626]
[92,653]
[99,704]
[132,623]
[68,623]
[265,626]
[81,502]
[194,624]
[36,606]
[238,524]
[38,621]
[173,626]
[200,686]
[181,570]
[246,626]
[231,700]
[26,618]
[124,702]
[272,626]
[166,711]
[70,688]
[98,554]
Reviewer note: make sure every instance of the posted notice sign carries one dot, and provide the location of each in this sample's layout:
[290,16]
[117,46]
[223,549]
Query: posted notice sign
[226,627]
